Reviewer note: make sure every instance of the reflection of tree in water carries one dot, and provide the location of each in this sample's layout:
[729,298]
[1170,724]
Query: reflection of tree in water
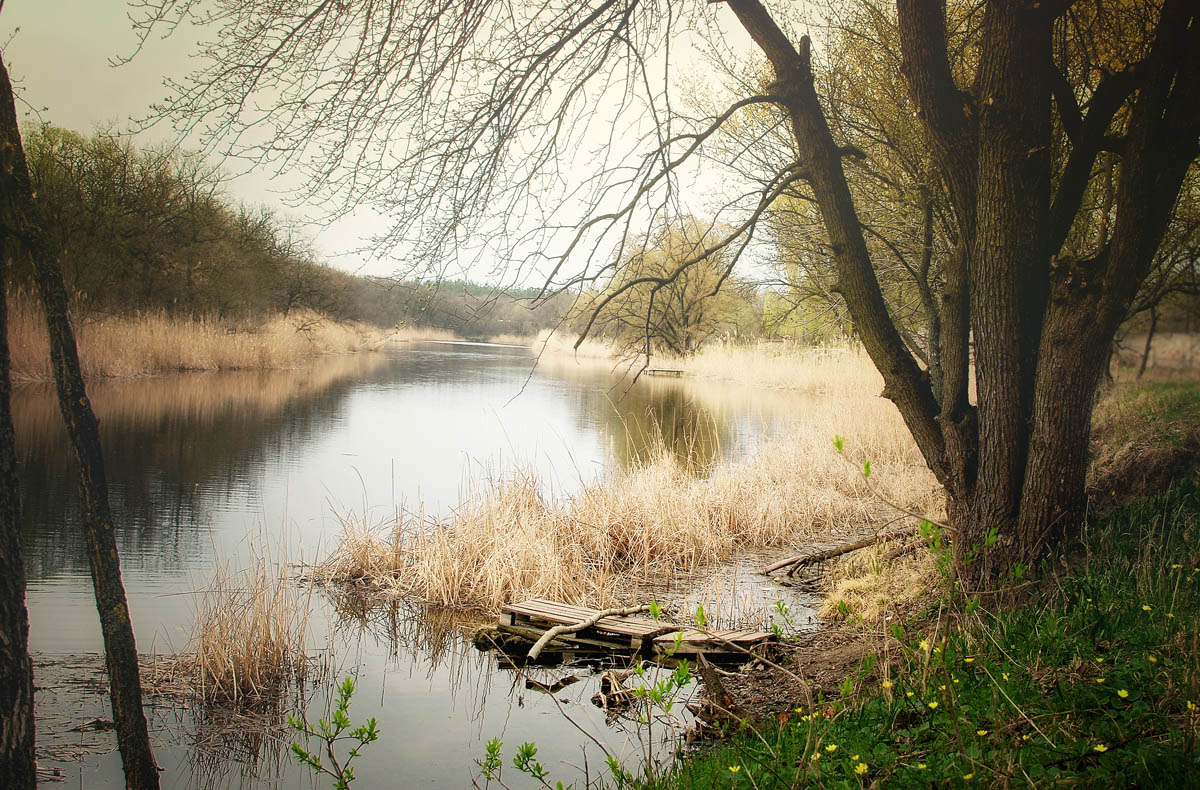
[658,416]
[176,447]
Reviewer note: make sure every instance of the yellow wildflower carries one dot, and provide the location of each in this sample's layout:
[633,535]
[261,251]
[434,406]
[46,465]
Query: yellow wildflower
[1191,706]
[1099,680]
[981,733]
[968,660]
[1004,675]
[921,766]
[860,769]
[969,776]
[1100,747]
[908,693]
[1152,659]
[1146,607]
[735,768]
[1122,693]
[924,644]
[933,706]
[887,684]
[831,748]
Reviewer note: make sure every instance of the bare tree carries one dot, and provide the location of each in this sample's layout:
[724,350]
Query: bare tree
[17,764]
[551,127]
[22,236]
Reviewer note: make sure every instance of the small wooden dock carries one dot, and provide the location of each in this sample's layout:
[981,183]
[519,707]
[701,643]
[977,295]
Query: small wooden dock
[663,372]
[627,633]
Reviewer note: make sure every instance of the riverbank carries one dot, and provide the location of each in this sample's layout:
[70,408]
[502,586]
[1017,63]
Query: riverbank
[146,345]
[1088,678]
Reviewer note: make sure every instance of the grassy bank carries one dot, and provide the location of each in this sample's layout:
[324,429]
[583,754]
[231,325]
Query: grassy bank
[513,539]
[118,346]
[1092,679]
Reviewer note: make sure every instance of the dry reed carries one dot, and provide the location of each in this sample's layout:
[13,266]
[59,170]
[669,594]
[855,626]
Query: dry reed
[512,540]
[866,584]
[248,640]
[119,346]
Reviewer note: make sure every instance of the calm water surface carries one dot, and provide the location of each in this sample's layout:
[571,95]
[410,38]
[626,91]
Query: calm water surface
[206,469]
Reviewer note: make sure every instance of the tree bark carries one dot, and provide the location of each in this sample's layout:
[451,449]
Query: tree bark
[120,648]
[17,763]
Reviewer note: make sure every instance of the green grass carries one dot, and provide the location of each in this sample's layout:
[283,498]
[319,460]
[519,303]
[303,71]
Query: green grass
[1167,411]
[1091,680]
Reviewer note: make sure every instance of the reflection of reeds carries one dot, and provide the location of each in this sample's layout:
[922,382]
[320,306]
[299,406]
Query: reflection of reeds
[511,541]
[202,397]
[157,343]
[248,641]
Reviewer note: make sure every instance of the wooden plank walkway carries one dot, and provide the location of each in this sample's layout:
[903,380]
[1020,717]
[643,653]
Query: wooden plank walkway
[531,618]
[663,372]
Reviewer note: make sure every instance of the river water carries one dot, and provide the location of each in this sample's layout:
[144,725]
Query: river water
[207,469]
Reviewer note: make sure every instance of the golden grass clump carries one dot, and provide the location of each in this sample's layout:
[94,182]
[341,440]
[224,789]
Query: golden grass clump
[249,637]
[126,346]
[867,584]
[511,540]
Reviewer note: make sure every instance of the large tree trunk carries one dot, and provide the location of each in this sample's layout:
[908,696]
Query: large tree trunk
[120,649]
[17,765]
[1041,320]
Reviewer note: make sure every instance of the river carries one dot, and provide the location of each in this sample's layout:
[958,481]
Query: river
[208,469]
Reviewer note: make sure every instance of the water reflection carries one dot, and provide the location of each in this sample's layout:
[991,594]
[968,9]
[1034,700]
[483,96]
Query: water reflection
[202,466]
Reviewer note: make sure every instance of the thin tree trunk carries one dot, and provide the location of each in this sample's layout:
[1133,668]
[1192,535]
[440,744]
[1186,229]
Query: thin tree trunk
[17,764]
[1149,340]
[141,772]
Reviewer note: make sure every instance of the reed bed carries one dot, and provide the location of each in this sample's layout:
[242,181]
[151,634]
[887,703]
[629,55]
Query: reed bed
[120,346]
[249,638]
[513,539]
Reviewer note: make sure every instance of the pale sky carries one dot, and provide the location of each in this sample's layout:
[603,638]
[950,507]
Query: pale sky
[59,55]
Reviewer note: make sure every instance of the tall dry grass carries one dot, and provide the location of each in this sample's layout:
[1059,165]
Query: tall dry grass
[248,640]
[119,346]
[512,539]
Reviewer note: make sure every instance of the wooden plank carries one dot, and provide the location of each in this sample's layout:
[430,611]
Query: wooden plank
[558,613]
[566,641]
[692,636]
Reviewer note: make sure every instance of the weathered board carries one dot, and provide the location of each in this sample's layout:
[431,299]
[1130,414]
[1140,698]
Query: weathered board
[529,619]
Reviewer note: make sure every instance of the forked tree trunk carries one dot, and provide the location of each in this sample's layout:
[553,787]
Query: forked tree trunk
[22,227]
[1041,321]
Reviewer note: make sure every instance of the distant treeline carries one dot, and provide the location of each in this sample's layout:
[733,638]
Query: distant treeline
[152,231]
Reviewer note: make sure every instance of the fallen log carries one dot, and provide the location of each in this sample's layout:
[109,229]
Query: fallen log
[566,628]
[820,556]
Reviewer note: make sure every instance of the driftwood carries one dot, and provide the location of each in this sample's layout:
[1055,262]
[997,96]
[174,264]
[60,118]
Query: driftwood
[613,693]
[820,556]
[551,688]
[559,630]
